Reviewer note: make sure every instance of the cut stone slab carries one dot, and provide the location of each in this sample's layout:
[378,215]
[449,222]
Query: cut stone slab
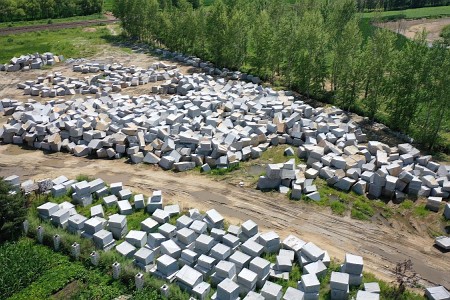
[144,256]
[293,294]
[272,291]
[97,211]
[372,287]
[125,207]
[110,201]
[433,203]
[102,239]
[437,293]
[149,225]
[136,238]
[252,248]
[363,295]
[443,242]
[126,249]
[166,265]
[313,252]
[353,264]
[309,283]
[227,290]
[339,281]
[189,277]
[161,216]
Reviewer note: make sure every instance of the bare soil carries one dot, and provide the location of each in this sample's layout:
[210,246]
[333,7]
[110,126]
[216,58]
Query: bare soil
[381,243]
[410,28]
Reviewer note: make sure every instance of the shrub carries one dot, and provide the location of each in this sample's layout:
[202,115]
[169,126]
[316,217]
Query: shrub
[12,212]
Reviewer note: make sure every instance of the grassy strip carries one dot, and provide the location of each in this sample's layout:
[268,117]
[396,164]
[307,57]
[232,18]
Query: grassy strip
[73,42]
[52,21]
[416,13]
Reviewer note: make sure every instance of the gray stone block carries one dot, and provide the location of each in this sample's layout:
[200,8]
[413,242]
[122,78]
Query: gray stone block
[272,291]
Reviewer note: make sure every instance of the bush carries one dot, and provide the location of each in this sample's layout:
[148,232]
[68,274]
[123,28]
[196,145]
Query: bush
[12,212]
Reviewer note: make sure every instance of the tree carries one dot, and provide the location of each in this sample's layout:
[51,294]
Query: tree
[347,60]
[377,58]
[12,212]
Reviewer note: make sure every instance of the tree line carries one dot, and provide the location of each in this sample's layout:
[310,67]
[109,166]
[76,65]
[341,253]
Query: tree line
[25,10]
[314,47]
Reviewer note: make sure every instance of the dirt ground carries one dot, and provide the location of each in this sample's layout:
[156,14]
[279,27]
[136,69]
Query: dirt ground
[410,28]
[382,244]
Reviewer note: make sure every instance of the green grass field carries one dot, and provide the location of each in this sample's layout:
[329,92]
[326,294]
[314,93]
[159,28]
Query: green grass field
[74,42]
[417,13]
[46,21]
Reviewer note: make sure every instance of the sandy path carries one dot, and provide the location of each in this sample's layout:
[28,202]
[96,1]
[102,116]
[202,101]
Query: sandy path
[410,28]
[381,245]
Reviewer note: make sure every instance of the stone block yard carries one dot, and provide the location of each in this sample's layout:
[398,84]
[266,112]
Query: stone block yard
[152,133]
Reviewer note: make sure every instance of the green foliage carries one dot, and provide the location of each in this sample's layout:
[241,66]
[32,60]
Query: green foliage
[19,273]
[12,212]
[338,208]
[407,204]
[18,10]
[445,34]
[362,210]
[83,177]
[223,171]
[421,211]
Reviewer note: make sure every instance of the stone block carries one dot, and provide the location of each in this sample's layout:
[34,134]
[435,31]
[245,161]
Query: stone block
[293,294]
[161,216]
[272,291]
[149,225]
[168,230]
[433,203]
[339,281]
[252,248]
[437,293]
[166,265]
[363,295]
[97,211]
[136,238]
[126,249]
[227,290]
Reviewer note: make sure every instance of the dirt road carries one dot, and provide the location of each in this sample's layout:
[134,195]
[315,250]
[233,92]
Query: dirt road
[381,244]
[410,28]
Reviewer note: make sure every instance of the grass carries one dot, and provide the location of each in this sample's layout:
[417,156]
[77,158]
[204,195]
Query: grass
[416,13]
[41,272]
[362,210]
[108,5]
[53,21]
[445,34]
[421,211]
[72,42]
